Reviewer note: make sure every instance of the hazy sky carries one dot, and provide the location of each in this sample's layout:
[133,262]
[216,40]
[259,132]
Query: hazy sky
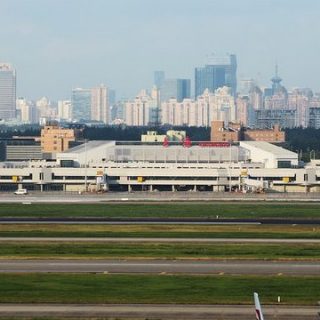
[56,45]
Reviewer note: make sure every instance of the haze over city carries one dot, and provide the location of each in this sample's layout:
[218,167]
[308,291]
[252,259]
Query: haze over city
[56,45]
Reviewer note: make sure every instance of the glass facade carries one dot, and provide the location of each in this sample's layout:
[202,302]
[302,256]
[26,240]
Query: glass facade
[175,88]
[221,71]
[81,104]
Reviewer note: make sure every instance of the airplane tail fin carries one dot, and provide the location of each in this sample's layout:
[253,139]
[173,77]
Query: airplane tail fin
[259,315]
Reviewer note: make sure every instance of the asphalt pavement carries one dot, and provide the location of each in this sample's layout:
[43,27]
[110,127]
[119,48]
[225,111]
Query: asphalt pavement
[151,266]
[165,312]
[68,197]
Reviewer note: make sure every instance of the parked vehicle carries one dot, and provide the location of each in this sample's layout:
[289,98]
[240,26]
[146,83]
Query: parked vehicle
[21,192]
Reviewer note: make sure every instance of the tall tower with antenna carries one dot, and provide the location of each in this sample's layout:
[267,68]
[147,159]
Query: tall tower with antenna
[276,81]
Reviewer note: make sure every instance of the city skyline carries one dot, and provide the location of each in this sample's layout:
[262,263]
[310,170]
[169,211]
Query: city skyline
[60,52]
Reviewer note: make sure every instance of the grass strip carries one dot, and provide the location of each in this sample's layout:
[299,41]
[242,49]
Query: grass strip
[162,231]
[101,288]
[174,210]
[160,250]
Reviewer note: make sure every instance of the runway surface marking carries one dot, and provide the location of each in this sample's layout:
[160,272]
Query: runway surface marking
[185,311]
[157,197]
[236,267]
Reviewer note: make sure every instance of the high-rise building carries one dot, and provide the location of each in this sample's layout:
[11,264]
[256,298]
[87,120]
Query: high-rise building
[117,112]
[112,96]
[81,104]
[175,88]
[299,100]
[178,113]
[268,118]
[65,110]
[220,71]
[243,106]
[277,101]
[159,77]
[140,111]
[47,111]
[246,86]
[7,92]
[314,117]
[156,109]
[276,97]
[27,112]
[100,104]
[219,105]
[256,98]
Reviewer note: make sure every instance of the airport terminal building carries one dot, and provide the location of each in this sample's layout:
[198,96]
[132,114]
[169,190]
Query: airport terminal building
[250,166]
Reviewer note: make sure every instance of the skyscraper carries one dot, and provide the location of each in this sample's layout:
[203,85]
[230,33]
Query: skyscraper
[81,104]
[175,88]
[159,77]
[100,104]
[7,92]
[220,71]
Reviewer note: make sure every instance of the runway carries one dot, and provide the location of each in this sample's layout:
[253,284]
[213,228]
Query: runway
[140,266]
[165,312]
[160,240]
[62,197]
[158,221]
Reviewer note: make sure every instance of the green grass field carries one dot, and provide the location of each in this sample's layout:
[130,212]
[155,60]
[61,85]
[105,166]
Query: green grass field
[99,288]
[223,210]
[46,250]
[161,231]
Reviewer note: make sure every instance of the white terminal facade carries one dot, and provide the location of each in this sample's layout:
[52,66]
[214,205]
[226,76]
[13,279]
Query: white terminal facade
[207,166]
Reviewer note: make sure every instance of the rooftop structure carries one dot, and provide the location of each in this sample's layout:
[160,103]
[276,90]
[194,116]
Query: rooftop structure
[271,155]
[171,135]
[98,152]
